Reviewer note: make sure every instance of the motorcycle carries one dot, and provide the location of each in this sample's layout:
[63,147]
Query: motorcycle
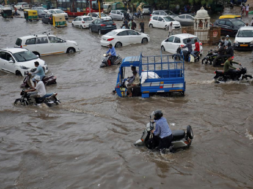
[186,55]
[236,76]
[182,139]
[26,100]
[47,80]
[211,55]
[113,61]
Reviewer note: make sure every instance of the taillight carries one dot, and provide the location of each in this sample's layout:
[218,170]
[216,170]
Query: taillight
[114,24]
[83,22]
[200,43]
[110,39]
[215,72]
[102,25]
[20,46]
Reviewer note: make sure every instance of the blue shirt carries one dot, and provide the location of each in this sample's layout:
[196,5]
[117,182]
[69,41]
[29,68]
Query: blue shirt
[162,128]
[111,51]
[40,72]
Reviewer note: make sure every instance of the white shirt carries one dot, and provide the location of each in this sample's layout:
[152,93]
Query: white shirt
[40,87]
[247,8]
[251,24]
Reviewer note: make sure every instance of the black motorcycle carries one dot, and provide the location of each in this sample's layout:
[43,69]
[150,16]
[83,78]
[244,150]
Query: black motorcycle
[234,76]
[113,61]
[26,100]
[209,58]
[186,55]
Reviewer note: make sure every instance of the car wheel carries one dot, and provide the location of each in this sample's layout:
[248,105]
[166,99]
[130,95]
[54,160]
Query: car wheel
[73,25]
[163,49]
[90,30]
[71,50]
[118,45]
[18,73]
[144,40]
[82,27]
[165,27]
[99,32]
[151,25]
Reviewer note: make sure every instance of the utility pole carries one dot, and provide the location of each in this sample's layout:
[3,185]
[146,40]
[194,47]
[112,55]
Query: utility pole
[99,8]
[5,2]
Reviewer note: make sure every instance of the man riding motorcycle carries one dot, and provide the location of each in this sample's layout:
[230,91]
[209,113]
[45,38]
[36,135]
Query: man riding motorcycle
[228,66]
[162,131]
[221,53]
[189,46]
[39,72]
[112,54]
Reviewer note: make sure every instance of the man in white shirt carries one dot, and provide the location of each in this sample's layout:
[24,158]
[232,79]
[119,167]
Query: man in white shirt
[134,81]
[39,91]
[247,10]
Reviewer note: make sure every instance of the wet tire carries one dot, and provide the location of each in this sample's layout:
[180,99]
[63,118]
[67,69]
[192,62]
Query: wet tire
[204,61]
[151,25]
[71,50]
[189,132]
[90,30]
[99,32]
[220,78]
[118,45]
[73,25]
[20,101]
[144,41]
[163,49]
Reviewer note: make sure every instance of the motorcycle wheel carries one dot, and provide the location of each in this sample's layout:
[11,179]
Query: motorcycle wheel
[189,132]
[204,61]
[220,78]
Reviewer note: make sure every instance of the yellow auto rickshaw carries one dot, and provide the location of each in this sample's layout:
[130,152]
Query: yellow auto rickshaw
[31,15]
[59,20]
[230,16]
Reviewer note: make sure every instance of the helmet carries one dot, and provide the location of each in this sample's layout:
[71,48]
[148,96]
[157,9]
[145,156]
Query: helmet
[158,114]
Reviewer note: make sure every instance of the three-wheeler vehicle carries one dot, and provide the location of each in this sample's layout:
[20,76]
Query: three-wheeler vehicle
[158,74]
[31,15]
[6,12]
[59,20]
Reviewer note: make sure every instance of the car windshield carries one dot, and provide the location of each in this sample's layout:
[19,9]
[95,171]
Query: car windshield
[170,13]
[112,33]
[59,11]
[168,19]
[191,38]
[107,22]
[245,33]
[238,23]
[24,56]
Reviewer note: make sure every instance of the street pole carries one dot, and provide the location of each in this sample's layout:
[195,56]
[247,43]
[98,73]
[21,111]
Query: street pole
[90,7]
[5,2]
[99,9]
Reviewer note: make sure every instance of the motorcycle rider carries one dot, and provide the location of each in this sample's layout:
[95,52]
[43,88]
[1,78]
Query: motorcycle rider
[229,50]
[197,48]
[221,53]
[162,130]
[39,72]
[228,66]
[112,54]
[189,46]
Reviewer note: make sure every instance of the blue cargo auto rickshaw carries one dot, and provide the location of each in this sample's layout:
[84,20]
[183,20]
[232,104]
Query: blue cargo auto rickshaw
[158,74]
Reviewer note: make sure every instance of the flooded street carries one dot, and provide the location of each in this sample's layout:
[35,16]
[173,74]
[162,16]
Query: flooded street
[87,141]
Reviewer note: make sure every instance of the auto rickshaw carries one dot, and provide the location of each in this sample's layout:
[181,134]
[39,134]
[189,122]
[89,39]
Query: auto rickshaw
[6,13]
[59,20]
[230,16]
[31,15]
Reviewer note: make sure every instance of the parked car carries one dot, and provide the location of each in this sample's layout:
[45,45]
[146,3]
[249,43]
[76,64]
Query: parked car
[1,8]
[174,41]
[82,21]
[119,14]
[58,11]
[45,44]
[107,8]
[163,12]
[22,5]
[102,26]
[123,37]
[146,9]
[185,19]
[244,38]
[229,26]
[163,22]
[47,19]
[95,15]
[40,10]
[17,60]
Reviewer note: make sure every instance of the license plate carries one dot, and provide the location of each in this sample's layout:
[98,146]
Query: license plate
[243,45]
[109,25]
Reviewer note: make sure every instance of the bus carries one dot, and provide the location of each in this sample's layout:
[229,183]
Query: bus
[79,7]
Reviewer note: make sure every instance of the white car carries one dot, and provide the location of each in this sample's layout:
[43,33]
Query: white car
[82,21]
[57,11]
[172,43]
[17,61]
[44,44]
[22,5]
[95,15]
[123,37]
[244,38]
[160,21]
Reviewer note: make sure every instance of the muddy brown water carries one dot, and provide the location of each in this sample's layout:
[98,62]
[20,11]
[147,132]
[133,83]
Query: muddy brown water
[87,141]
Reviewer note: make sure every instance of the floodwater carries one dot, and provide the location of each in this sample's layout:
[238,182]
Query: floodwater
[87,141]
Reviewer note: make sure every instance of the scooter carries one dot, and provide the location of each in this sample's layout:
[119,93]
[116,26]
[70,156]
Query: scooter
[211,55]
[47,80]
[115,61]
[186,55]
[25,100]
[182,139]
[236,76]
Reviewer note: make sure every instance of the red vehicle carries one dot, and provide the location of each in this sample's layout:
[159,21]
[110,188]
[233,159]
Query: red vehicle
[79,7]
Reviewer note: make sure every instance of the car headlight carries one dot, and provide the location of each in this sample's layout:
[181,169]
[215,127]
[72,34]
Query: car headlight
[23,67]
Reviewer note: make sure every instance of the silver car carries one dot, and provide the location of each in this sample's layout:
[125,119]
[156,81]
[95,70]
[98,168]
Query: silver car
[185,19]
[116,15]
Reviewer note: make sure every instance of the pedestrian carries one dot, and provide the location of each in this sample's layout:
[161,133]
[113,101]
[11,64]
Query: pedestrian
[130,24]
[227,40]
[126,23]
[16,13]
[170,29]
[247,10]
[251,23]
[142,26]
[243,9]
[133,25]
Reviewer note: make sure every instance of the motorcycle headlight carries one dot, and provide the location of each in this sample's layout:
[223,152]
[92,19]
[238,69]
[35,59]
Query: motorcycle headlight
[23,67]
